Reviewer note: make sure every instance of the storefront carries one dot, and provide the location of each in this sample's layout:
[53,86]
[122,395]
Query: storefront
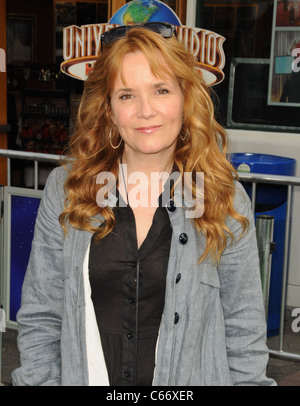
[258,46]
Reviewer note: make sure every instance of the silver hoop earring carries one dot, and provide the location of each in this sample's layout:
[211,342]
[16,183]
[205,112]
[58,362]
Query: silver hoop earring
[113,146]
[185,135]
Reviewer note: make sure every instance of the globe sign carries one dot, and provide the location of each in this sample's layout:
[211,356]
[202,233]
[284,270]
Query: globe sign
[144,11]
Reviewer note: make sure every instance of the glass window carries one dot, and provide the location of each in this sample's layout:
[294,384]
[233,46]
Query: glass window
[243,98]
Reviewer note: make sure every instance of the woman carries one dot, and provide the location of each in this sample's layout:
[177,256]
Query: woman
[119,294]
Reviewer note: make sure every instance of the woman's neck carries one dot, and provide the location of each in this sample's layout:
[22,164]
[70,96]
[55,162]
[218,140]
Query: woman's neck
[144,178]
[147,164]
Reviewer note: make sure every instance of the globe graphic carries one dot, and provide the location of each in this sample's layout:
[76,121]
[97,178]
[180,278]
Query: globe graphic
[142,11]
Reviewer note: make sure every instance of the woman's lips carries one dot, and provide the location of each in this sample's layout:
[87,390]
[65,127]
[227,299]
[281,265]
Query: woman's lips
[149,129]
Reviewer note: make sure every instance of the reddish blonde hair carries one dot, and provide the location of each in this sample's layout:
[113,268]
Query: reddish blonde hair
[203,150]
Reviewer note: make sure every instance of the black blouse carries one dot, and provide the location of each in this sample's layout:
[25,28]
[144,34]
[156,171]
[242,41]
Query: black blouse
[128,292]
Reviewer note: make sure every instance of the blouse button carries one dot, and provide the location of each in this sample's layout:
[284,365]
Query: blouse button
[183,238]
[178,277]
[171,206]
[176,318]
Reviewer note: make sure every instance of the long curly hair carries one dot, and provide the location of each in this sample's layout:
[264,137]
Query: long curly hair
[203,149]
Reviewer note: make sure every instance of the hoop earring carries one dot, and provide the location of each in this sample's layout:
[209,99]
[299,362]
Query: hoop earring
[185,135]
[113,146]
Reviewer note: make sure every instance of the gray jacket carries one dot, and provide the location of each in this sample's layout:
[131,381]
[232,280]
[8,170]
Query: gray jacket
[213,325]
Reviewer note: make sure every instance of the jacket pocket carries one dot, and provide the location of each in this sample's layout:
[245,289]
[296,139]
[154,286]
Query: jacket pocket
[208,274]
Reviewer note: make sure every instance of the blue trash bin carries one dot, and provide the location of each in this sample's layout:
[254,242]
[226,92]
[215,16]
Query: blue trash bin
[270,200]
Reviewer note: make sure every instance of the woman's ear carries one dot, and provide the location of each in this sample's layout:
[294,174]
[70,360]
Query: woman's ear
[112,117]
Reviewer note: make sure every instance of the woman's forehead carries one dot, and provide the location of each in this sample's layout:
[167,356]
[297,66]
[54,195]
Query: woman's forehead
[156,64]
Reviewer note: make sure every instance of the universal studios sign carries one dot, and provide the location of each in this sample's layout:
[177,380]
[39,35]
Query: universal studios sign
[81,46]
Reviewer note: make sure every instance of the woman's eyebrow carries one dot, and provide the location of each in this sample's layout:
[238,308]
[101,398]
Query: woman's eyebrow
[160,84]
[123,89]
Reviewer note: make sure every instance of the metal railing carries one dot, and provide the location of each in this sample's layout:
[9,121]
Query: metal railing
[265,244]
[289,181]
[28,156]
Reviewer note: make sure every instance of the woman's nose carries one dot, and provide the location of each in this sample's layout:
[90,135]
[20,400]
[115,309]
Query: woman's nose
[146,108]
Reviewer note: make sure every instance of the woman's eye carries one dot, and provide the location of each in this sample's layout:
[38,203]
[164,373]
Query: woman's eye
[125,96]
[162,91]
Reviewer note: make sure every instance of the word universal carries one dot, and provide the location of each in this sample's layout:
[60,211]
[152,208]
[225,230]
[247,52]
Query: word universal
[81,46]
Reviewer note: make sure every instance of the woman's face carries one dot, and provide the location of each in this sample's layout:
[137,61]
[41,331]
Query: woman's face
[147,110]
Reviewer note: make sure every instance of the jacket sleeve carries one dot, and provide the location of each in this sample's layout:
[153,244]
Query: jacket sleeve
[242,301]
[39,318]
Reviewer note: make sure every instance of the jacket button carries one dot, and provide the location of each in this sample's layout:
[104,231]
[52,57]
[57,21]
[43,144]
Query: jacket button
[178,277]
[171,206]
[127,374]
[183,238]
[129,336]
[176,318]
